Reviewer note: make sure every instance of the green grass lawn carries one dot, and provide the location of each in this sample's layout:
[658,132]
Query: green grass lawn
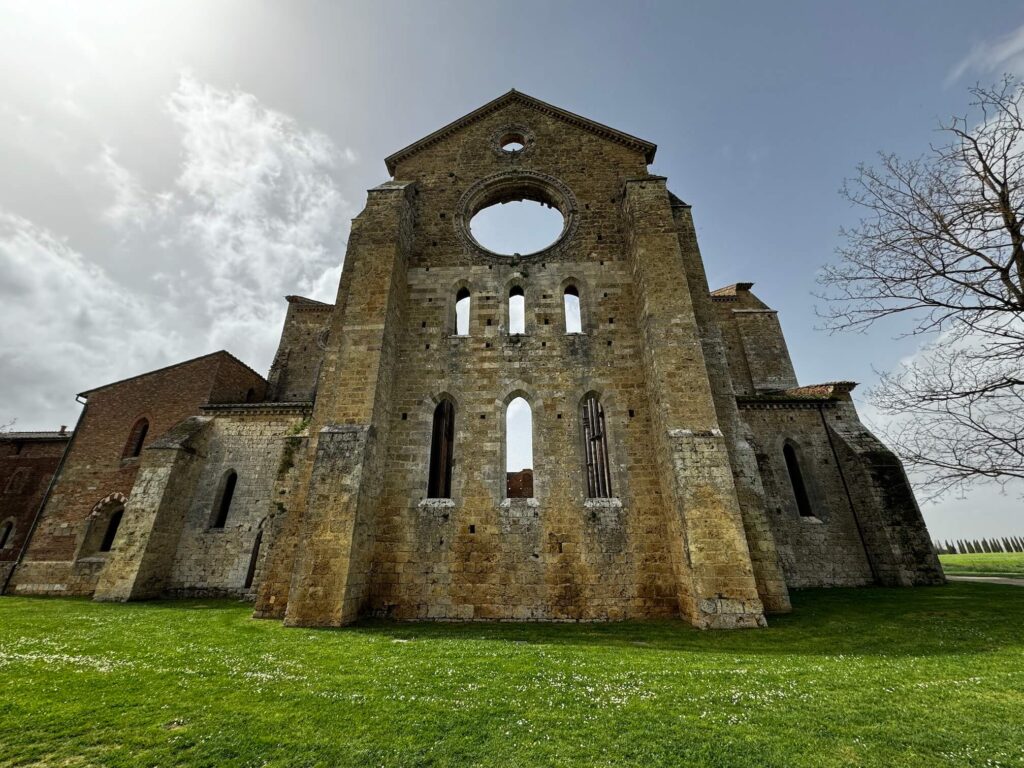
[873,677]
[995,564]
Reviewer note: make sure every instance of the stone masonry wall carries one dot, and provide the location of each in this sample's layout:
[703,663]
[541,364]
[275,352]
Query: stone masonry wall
[300,352]
[756,348]
[824,550]
[252,442]
[894,532]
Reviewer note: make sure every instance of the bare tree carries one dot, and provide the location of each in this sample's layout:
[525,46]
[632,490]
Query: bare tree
[942,240]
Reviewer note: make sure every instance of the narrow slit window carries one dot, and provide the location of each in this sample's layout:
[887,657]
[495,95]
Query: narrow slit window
[5,534]
[442,445]
[136,438]
[111,533]
[462,304]
[573,321]
[224,503]
[516,311]
[253,560]
[519,450]
[595,446]
[796,479]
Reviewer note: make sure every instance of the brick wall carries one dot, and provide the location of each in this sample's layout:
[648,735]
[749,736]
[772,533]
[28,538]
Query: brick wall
[96,468]
[27,463]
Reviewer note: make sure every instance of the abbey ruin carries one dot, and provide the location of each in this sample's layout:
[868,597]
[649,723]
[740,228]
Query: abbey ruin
[679,468]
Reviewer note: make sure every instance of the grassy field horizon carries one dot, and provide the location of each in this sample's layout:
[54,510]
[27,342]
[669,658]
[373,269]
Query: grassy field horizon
[984,564]
[871,677]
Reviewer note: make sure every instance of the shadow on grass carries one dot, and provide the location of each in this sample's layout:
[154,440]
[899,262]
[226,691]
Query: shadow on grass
[955,619]
[927,621]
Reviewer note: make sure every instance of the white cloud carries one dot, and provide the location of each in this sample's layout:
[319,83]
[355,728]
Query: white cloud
[257,199]
[132,207]
[1003,55]
[254,213]
[67,325]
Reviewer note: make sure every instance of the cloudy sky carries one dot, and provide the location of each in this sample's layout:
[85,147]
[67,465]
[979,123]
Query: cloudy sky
[171,170]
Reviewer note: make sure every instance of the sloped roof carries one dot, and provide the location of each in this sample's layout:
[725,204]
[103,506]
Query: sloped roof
[303,301]
[732,290]
[829,390]
[219,353]
[65,435]
[512,97]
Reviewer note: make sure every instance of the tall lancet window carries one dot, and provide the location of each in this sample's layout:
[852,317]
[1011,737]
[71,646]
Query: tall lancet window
[516,311]
[796,479]
[442,445]
[571,300]
[519,450]
[595,445]
[462,303]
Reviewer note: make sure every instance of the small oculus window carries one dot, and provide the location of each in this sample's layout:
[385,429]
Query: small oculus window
[512,143]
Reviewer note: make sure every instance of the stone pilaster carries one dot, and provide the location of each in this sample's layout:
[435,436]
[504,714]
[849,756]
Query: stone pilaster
[891,526]
[708,545]
[147,540]
[350,420]
[764,556]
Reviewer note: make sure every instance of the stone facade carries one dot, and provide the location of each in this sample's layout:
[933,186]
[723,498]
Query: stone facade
[723,483]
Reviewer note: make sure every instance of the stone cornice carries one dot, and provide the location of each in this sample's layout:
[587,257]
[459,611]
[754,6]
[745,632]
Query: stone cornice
[645,147]
[304,408]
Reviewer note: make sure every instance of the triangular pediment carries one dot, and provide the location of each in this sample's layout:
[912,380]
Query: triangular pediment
[512,97]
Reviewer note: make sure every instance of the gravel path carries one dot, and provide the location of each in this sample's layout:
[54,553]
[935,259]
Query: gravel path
[989,580]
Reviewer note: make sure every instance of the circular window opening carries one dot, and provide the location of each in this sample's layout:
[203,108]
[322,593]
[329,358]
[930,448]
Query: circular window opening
[518,227]
[513,142]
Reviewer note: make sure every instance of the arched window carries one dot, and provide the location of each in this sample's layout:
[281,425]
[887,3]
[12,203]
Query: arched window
[519,450]
[136,438]
[516,310]
[16,483]
[250,395]
[7,534]
[442,445]
[796,479]
[462,303]
[111,533]
[253,559]
[571,301]
[223,505]
[595,446]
